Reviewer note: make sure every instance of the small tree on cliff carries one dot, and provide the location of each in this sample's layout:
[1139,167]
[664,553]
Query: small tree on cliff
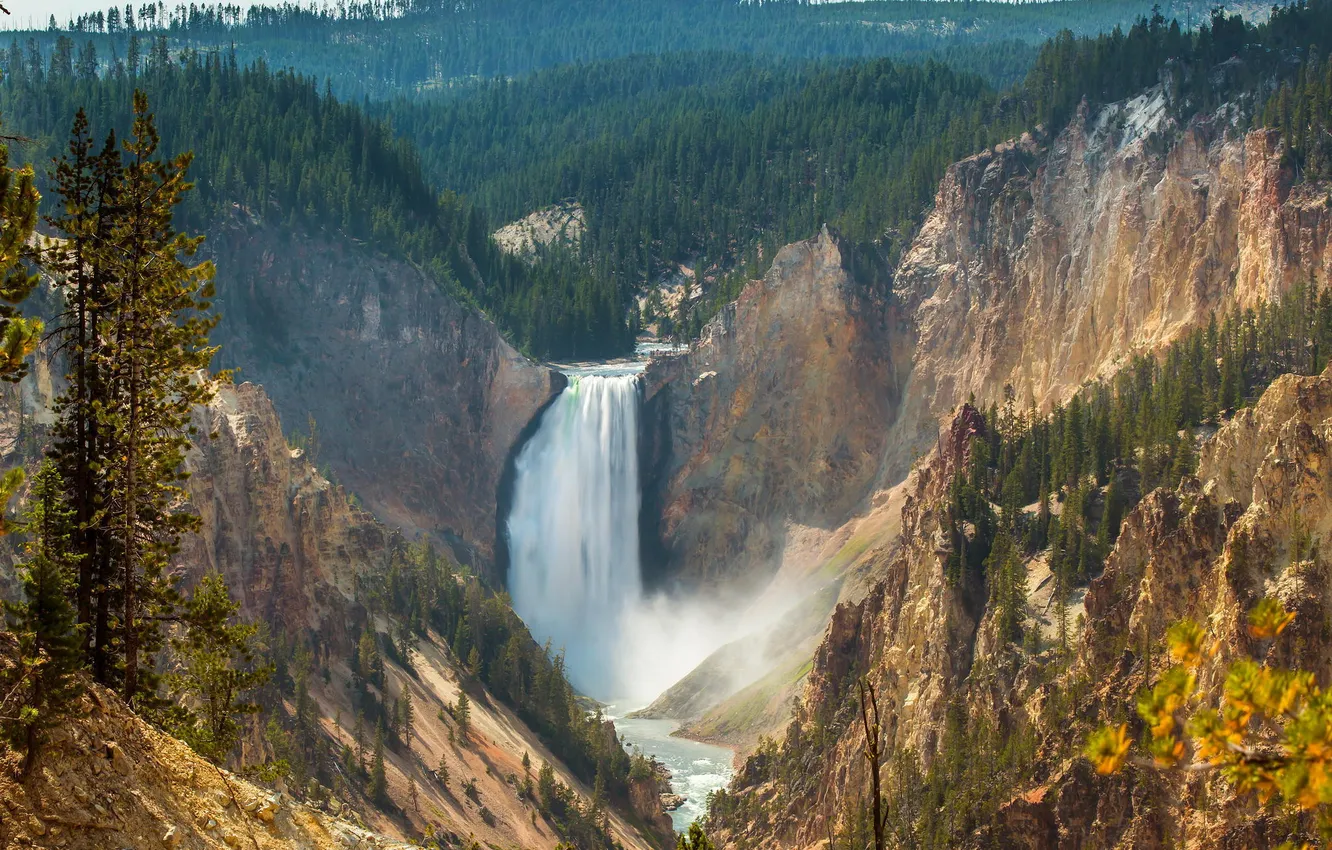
[462,713]
[378,778]
[869,718]
[217,670]
[695,839]
[44,680]
[405,717]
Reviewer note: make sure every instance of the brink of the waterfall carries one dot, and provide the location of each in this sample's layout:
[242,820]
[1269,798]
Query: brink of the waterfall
[573,527]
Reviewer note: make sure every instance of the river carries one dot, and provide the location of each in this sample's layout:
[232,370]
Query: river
[696,769]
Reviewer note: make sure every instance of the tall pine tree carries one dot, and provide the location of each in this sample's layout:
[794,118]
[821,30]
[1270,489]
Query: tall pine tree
[138,327]
[81,267]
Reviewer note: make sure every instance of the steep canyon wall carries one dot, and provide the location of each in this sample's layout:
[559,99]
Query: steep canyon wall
[1044,263]
[417,399]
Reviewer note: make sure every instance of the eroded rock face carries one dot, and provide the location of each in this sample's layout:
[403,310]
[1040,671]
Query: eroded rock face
[1207,550]
[417,400]
[1042,267]
[288,542]
[778,413]
[1044,263]
[914,633]
[647,804]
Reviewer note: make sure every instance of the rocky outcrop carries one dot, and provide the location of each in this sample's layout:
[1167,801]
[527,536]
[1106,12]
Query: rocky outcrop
[646,798]
[1250,524]
[775,415]
[107,778]
[1043,266]
[417,400]
[561,224]
[289,543]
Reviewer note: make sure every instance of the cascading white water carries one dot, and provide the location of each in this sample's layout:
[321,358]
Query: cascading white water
[573,527]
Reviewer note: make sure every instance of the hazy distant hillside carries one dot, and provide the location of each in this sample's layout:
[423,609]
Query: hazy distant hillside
[381,49]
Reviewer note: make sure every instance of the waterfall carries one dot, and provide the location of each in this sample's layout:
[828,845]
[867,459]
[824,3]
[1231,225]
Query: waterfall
[573,527]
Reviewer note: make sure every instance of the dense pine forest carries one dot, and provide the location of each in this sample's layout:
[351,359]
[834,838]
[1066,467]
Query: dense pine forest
[716,160]
[271,147]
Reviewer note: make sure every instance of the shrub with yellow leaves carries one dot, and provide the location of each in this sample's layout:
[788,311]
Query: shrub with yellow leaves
[1270,733]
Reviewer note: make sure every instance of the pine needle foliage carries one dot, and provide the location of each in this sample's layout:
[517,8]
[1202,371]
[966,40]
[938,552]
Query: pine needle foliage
[218,668]
[1268,733]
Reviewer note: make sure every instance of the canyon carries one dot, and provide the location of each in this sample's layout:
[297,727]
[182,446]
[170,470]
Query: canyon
[775,452]
[788,476]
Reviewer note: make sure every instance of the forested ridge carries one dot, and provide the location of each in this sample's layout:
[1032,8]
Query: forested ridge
[712,160]
[349,176]
[271,147]
[714,175]
[718,160]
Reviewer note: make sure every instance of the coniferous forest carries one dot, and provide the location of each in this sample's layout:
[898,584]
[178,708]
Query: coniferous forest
[425,48]
[711,160]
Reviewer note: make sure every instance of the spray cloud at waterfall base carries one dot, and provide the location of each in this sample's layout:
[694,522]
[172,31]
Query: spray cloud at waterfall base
[574,570]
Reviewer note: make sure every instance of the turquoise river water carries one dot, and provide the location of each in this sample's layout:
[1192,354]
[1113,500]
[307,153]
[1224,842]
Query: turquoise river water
[696,769]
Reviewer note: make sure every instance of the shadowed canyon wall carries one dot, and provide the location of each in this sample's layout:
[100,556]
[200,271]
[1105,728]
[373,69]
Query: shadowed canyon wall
[777,413]
[417,399]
